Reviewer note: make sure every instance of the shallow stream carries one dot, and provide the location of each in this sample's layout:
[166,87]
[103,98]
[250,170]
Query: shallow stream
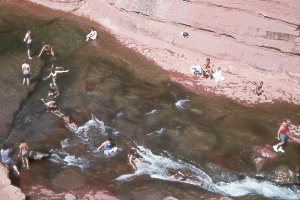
[133,102]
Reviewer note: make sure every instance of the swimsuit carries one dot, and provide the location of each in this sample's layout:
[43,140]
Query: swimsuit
[24,154]
[25,73]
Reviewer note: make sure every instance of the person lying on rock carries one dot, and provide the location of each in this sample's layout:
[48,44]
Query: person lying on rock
[109,147]
[179,176]
[51,105]
[68,120]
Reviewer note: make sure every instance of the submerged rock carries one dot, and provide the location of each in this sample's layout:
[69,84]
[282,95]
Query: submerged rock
[34,155]
[284,175]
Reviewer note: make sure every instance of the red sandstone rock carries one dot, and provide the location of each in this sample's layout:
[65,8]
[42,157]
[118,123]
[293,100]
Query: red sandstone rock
[8,191]
[251,41]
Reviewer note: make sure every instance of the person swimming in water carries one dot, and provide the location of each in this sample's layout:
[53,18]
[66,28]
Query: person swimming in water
[47,49]
[109,148]
[134,158]
[179,176]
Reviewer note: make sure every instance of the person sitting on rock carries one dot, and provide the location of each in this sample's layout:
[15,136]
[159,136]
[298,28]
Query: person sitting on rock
[207,69]
[109,148]
[258,89]
[53,91]
[134,158]
[179,176]
[92,35]
[47,49]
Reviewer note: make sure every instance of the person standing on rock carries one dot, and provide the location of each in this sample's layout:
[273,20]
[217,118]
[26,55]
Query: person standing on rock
[23,153]
[26,72]
[281,135]
[6,158]
[28,41]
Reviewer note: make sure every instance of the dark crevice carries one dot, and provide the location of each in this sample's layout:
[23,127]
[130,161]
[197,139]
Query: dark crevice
[227,35]
[36,80]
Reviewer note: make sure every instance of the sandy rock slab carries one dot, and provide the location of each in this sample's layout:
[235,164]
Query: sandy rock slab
[7,190]
[86,192]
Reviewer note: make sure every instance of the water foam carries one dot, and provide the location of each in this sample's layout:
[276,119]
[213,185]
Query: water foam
[181,103]
[159,166]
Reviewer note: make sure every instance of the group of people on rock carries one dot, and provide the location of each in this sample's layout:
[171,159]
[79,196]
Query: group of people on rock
[206,71]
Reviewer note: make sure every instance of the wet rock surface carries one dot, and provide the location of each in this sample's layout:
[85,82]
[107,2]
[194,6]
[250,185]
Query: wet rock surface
[191,133]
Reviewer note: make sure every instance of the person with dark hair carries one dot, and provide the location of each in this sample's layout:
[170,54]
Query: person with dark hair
[24,154]
[109,148]
[179,176]
[207,69]
[68,120]
[6,158]
[28,41]
[258,89]
[53,91]
[26,72]
[50,105]
[281,135]
[47,49]
[92,35]
[134,158]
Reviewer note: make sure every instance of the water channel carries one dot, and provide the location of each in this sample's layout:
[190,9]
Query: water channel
[111,91]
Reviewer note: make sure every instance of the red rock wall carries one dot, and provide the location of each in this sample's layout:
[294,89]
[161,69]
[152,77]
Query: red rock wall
[261,33]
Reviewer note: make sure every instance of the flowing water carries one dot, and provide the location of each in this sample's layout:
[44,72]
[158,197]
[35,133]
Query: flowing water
[113,92]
